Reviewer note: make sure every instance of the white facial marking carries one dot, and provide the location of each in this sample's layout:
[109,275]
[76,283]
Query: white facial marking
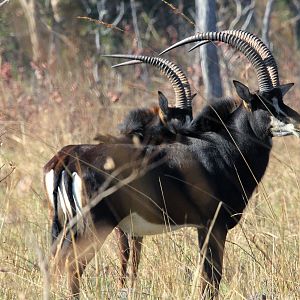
[279,128]
[136,225]
[49,182]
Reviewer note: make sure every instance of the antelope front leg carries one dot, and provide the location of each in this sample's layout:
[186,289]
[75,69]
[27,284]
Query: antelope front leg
[124,247]
[136,257]
[213,251]
[124,254]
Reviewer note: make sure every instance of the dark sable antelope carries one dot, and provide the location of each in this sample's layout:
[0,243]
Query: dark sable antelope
[149,186]
[148,126]
[144,128]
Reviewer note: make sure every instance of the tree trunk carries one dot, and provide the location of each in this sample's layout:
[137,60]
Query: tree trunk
[266,22]
[33,20]
[206,21]
[294,7]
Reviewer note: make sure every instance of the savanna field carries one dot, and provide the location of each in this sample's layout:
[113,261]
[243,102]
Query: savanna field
[65,106]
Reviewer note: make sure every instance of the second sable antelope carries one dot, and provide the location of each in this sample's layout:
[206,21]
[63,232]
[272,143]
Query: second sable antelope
[178,183]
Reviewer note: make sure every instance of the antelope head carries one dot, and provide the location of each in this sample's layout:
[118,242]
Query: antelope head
[283,120]
[182,110]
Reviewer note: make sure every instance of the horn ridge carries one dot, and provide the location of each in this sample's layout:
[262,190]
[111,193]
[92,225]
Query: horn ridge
[262,50]
[251,54]
[257,62]
[173,72]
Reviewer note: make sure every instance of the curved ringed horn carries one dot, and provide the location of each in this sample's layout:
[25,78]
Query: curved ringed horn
[264,81]
[179,81]
[261,49]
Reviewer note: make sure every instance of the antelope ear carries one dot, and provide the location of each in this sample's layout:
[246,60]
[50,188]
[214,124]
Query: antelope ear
[163,103]
[242,91]
[285,88]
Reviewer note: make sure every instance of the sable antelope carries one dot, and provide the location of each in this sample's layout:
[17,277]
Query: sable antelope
[187,172]
[149,132]
[149,126]
[209,120]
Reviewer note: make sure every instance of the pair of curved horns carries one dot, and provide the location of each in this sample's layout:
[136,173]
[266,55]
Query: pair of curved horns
[250,45]
[179,81]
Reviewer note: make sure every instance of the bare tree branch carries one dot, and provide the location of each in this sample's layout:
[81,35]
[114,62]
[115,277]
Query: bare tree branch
[248,8]
[137,36]
[99,31]
[266,22]
[238,14]
[294,7]
[135,24]
[3,2]
[249,18]
[118,18]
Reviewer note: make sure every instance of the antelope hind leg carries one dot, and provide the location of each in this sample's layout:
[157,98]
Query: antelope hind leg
[81,252]
[212,268]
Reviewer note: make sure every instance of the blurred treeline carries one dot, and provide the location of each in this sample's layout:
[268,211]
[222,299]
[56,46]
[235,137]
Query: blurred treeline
[50,30]
[31,30]
[53,37]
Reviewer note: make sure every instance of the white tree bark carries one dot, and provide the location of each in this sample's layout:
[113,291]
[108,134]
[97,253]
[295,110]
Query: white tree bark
[266,22]
[206,21]
[3,2]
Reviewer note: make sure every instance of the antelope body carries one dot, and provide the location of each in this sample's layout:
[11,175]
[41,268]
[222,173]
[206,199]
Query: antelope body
[184,188]
[147,126]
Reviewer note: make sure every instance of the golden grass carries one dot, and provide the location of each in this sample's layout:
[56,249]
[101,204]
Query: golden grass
[262,252]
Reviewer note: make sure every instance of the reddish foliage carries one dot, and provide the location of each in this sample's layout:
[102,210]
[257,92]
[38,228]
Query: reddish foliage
[6,72]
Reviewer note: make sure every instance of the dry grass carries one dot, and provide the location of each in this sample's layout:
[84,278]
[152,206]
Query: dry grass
[262,252]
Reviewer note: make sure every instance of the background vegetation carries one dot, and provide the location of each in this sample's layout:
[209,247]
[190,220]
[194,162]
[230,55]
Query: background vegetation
[57,89]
